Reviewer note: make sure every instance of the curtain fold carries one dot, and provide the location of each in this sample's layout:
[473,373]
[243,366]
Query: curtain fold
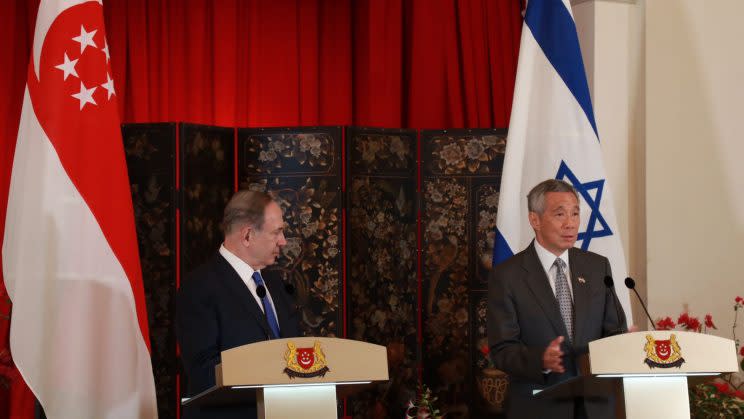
[391,63]
[398,63]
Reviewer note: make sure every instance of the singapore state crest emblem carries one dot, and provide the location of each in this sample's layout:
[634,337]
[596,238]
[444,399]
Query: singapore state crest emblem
[663,353]
[305,362]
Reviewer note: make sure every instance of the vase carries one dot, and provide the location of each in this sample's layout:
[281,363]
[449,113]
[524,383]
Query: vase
[492,386]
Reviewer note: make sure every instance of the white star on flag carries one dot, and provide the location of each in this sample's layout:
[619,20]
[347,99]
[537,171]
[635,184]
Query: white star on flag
[85,353]
[86,39]
[109,86]
[68,67]
[106,51]
[85,95]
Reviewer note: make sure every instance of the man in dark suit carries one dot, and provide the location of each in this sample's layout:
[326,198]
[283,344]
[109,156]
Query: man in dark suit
[229,301]
[545,304]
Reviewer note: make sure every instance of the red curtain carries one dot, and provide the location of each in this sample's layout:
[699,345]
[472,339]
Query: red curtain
[387,63]
[416,63]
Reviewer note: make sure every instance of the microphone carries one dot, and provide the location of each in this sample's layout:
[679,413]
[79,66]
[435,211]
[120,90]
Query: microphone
[630,283]
[261,292]
[610,284]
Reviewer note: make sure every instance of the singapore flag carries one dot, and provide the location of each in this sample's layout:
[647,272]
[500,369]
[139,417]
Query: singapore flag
[70,261]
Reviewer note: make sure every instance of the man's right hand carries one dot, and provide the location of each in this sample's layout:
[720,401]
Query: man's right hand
[553,356]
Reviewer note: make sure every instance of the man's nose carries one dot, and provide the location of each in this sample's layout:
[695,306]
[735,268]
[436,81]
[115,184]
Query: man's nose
[282,240]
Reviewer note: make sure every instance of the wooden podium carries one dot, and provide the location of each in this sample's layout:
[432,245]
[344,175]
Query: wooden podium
[653,367]
[296,377]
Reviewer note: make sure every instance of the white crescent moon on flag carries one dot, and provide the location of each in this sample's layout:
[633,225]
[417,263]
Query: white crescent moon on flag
[48,11]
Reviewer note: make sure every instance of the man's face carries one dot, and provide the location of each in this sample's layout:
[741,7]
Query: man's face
[265,244]
[557,228]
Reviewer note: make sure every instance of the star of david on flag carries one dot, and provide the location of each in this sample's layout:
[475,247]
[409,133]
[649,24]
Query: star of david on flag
[553,134]
[593,202]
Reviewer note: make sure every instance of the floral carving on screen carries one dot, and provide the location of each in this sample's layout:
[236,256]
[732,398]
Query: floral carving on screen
[311,259]
[375,153]
[383,231]
[382,285]
[446,290]
[467,154]
[487,203]
[480,337]
[279,152]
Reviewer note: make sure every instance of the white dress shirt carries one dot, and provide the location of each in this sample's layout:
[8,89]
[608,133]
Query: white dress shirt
[245,272]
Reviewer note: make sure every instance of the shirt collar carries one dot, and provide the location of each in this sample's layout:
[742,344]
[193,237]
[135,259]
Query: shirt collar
[547,259]
[243,269]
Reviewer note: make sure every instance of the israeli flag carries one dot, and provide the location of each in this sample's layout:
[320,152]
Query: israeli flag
[552,134]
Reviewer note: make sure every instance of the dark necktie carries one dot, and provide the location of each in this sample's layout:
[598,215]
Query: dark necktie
[268,308]
[563,295]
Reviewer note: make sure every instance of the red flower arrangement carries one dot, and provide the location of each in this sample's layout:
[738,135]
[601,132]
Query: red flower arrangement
[724,395]
[423,406]
[665,324]
[687,322]
[486,351]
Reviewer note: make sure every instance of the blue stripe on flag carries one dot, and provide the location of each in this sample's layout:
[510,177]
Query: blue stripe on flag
[501,249]
[555,31]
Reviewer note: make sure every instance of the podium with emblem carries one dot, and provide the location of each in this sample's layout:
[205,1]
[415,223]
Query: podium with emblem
[653,367]
[296,377]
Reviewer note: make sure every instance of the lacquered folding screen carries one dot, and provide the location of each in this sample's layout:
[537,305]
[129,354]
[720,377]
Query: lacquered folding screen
[302,168]
[151,160]
[389,232]
[382,287]
[460,192]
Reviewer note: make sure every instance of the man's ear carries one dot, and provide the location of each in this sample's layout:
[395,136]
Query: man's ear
[245,234]
[534,220]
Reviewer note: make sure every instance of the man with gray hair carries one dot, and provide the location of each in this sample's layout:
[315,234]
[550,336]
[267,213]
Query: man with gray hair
[231,301]
[545,304]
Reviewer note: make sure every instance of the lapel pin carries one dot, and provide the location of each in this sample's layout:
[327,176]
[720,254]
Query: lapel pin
[581,280]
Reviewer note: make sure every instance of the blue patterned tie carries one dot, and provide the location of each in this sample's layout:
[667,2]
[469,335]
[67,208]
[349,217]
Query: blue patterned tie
[268,308]
[563,295]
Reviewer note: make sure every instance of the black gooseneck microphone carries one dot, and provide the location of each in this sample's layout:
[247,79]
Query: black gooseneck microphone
[630,283]
[610,284]
[261,292]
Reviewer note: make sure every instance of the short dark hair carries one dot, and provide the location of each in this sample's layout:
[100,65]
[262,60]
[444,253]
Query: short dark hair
[245,207]
[536,197]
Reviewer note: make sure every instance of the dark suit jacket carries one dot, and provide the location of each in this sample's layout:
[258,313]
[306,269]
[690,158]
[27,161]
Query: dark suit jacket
[216,311]
[524,317]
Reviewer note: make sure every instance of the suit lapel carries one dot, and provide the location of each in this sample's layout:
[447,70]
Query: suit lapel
[580,293]
[537,281]
[240,293]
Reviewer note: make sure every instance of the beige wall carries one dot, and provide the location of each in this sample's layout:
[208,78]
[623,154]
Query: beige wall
[667,80]
[694,145]
[610,33]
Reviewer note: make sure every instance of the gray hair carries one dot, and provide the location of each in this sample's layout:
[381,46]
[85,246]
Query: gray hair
[245,207]
[536,197]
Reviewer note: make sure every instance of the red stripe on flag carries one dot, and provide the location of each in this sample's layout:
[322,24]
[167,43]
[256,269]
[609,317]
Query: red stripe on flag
[81,120]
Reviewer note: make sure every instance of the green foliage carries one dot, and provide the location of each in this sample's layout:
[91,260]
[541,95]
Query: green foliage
[715,400]
[423,407]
